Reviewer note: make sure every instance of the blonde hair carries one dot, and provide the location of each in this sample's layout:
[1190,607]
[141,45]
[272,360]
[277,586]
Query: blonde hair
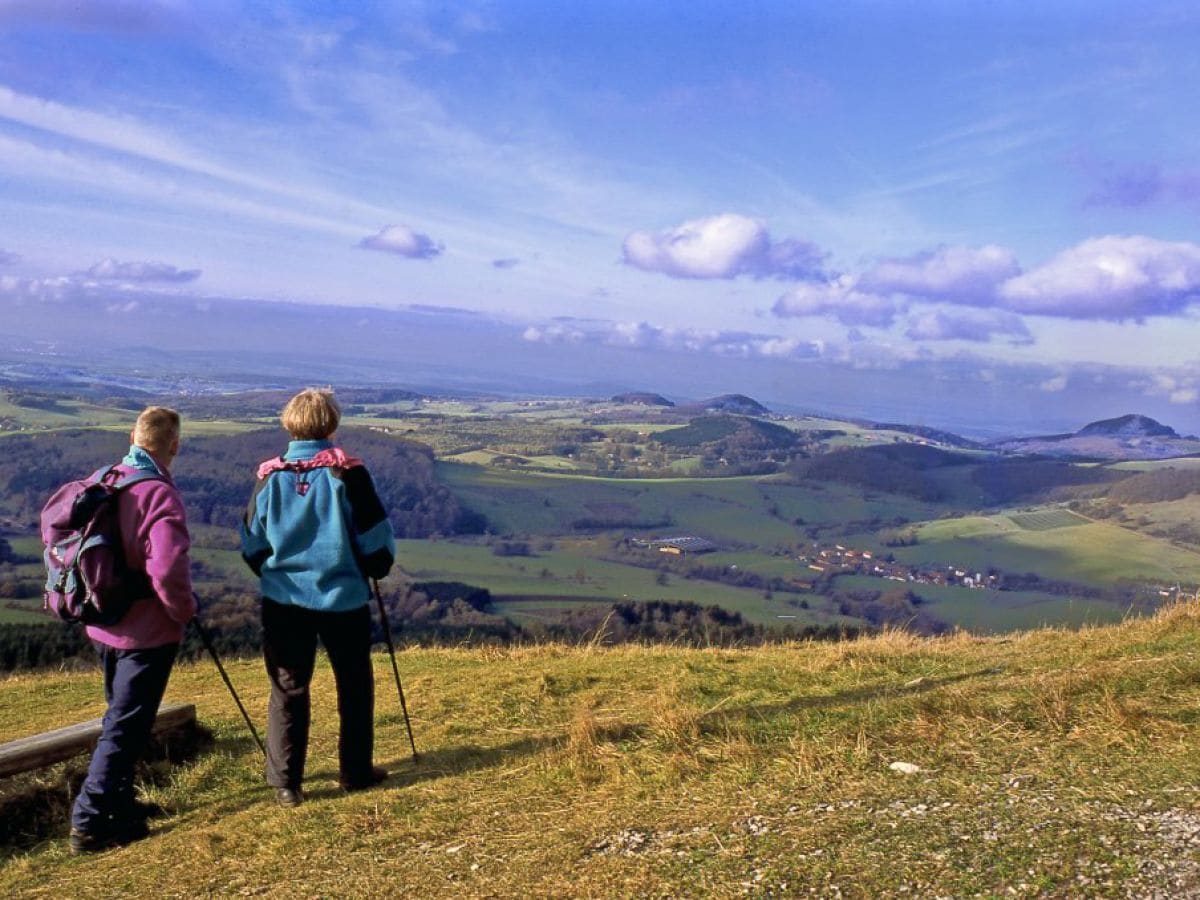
[157,429]
[312,415]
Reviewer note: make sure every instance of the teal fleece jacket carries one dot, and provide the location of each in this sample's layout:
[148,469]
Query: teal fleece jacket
[314,532]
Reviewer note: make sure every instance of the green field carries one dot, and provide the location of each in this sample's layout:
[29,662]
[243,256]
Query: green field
[1047,519]
[570,573]
[743,511]
[62,413]
[997,612]
[1092,553]
[1151,465]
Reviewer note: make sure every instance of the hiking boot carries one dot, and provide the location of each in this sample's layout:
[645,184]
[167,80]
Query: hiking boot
[98,841]
[289,797]
[376,776]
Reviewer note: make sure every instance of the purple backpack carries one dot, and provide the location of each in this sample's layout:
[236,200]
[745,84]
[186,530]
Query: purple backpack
[87,579]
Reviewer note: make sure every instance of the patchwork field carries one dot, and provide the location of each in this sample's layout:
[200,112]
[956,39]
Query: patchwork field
[1092,552]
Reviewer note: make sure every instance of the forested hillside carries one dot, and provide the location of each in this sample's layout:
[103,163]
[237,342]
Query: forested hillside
[215,475]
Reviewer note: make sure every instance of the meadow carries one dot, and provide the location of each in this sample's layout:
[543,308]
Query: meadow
[1042,763]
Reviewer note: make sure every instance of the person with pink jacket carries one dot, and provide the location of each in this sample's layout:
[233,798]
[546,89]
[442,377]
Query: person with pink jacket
[138,652]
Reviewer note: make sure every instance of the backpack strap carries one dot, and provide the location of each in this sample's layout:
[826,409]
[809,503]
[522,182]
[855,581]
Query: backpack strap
[136,478]
[101,473]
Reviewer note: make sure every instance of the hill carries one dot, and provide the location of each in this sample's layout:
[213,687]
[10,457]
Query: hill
[1043,763]
[1128,437]
[741,430]
[1127,426]
[642,398]
[735,404]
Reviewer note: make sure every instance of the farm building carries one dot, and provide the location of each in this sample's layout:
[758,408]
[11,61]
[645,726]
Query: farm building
[686,543]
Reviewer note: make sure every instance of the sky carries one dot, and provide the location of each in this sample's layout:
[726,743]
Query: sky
[974,211]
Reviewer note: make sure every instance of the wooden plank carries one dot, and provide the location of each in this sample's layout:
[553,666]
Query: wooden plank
[39,750]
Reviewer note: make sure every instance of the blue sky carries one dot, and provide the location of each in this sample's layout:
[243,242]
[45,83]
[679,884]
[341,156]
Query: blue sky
[1004,189]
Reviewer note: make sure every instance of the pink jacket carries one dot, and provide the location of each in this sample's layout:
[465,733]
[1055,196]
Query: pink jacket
[154,532]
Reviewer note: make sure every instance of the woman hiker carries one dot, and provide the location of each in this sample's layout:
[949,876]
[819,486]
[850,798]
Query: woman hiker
[314,532]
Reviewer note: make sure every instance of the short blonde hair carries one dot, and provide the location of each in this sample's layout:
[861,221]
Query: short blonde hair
[157,429]
[312,415]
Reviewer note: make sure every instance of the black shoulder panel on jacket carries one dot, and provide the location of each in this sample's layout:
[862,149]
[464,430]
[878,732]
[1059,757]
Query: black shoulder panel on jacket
[365,505]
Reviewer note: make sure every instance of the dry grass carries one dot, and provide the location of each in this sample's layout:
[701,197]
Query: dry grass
[1050,762]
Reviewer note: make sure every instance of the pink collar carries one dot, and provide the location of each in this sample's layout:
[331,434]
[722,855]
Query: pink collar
[334,458]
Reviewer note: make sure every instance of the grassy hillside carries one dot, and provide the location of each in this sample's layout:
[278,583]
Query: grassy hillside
[1058,545]
[1050,763]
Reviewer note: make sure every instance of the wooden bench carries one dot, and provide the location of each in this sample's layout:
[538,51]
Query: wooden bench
[40,750]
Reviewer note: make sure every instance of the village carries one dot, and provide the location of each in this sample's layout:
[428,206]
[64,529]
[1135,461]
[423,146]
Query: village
[841,560]
[837,559]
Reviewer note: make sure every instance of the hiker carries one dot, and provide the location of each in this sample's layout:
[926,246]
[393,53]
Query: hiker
[138,651]
[314,532]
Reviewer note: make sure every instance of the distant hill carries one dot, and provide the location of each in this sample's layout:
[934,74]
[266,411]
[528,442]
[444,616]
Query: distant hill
[745,432]
[1130,436]
[734,404]
[1131,425]
[642,398]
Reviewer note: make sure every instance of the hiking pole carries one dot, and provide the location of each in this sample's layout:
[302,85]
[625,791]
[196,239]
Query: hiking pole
[387,636]
[206,640]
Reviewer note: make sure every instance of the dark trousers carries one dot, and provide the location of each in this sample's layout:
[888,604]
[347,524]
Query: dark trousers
[290,636]
[134,682]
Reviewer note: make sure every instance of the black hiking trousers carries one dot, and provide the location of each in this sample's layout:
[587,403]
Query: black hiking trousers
[290,635]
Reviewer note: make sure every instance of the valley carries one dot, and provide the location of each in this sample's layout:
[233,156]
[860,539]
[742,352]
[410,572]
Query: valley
[528,519]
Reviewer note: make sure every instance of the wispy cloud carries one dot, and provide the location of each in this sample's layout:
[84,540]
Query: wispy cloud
[112,270]
[7,257]
[977,325]
[641,335]
[184,172]
[722,246]
[510,262]
[1055,385]
[840,299]
[1140,186]
[403,241]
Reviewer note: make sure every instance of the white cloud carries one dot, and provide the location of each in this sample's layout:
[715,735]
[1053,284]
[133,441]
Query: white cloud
[1054,385]
[112,270]
[647,336]
[403,241]
[1114,278]
[58,288]
[966,325]
[840,299]
[722,246]
[555,333]
[956,274]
